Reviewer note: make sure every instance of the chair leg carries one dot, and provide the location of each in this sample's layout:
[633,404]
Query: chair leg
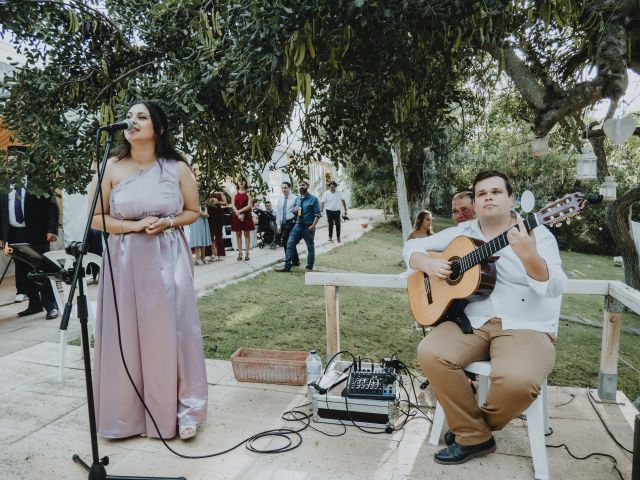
[437,425]
[545,408]
[535,428]
[483,388]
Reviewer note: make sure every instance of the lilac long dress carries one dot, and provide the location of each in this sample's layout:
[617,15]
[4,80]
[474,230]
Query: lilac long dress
[159,322]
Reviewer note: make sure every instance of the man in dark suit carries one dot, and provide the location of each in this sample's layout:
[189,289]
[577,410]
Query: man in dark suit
[25,218]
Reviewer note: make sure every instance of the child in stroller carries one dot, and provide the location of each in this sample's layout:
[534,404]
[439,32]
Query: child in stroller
[267,227]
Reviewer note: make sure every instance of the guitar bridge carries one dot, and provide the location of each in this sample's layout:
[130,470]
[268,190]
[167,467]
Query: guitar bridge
[427,288]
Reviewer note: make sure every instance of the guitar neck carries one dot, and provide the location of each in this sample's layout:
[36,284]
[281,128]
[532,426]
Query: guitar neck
[486,250]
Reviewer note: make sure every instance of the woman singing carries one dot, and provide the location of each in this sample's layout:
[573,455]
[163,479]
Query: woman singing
[149,193]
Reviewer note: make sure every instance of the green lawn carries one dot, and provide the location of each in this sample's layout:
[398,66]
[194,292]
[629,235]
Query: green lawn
[278,311]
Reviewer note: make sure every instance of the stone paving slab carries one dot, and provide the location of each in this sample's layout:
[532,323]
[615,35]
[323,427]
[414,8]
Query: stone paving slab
[44,422]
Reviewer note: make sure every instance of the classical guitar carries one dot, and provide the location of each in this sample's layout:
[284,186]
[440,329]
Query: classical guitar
[473,269]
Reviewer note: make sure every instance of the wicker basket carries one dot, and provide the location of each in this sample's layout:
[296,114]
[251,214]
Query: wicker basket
[269,366]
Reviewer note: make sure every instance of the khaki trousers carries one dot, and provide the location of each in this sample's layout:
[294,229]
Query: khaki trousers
[521,360]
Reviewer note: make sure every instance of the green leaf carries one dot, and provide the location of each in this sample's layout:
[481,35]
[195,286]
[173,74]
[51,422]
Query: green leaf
[307,97]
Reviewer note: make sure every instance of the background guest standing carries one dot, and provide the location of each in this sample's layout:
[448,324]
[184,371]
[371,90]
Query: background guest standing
[200,237]
[285,220]
[26,218]
[242,220]
[331,200]
[215,207]
[307,209]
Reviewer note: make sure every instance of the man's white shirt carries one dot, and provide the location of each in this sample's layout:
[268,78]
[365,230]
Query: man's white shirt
[289,212]
[519,300]
[12,212]
[332,200]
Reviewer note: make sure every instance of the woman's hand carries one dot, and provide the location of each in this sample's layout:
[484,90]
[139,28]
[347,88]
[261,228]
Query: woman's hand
[241,216]
[143,224]
[159,226]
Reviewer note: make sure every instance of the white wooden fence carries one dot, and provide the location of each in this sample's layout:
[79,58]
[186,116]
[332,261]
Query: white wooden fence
[616,295]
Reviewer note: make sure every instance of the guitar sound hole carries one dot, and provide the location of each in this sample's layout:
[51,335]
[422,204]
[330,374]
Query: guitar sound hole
[456,273]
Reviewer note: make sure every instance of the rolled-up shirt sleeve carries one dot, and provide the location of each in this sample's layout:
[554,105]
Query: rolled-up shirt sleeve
[548,249]
[316,208]
[437,242]
[417,245]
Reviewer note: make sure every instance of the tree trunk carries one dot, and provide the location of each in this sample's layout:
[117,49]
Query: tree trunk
[597,143]
[621,233]
[401,191]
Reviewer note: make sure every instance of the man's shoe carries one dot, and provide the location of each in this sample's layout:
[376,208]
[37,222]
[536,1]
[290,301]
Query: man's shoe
[30,311]
[456,454]
[53,313]
[307,269]
[283,269]
[449,438]
[296,264]
[19,298]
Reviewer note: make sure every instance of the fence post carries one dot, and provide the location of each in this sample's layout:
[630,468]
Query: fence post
[608,373]
[332,301]
[635,472]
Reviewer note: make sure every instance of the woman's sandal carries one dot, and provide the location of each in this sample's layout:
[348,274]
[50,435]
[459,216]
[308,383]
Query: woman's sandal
[239,257]
[246,259]
[187,431]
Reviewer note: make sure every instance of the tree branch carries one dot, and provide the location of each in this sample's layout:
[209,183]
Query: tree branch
[526,82]
[96,14]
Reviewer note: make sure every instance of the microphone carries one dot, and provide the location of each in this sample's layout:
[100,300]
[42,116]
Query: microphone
[126,124]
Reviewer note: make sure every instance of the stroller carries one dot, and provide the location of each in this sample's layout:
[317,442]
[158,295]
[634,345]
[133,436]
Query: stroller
[267,228]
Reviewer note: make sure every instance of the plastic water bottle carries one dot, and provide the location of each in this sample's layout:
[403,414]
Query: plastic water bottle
[314,371]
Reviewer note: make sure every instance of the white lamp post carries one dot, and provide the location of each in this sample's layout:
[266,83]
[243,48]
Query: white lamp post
[586,164]
[608,190]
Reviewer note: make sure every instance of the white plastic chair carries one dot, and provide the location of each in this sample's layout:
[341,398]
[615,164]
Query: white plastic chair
[66,261]
[537,419]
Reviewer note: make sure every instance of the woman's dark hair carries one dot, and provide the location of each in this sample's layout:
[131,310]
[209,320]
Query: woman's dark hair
[164,147]
[492,173]
[242,179]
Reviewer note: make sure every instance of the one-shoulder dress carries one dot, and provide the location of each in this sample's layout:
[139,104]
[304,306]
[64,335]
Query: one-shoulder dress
[159,322]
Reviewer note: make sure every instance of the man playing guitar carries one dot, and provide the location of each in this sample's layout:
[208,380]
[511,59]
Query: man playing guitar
[515,327]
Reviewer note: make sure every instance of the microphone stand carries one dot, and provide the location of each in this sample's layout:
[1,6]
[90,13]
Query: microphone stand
[97,470]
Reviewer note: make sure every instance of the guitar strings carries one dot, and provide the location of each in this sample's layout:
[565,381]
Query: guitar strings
[487,249]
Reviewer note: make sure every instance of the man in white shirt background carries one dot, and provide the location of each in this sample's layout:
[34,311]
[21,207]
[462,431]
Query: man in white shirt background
[285,219]
[515,327]
[331,200]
